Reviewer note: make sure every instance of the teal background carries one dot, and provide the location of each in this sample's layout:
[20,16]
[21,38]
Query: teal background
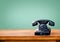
[19,14]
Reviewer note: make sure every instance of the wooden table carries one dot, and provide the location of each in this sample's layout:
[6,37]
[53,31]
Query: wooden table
[27,36]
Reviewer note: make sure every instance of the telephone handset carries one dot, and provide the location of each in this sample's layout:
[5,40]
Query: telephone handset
[43,29]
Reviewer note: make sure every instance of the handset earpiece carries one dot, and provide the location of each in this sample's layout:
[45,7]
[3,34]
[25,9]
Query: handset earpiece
[51,23]
[34,23]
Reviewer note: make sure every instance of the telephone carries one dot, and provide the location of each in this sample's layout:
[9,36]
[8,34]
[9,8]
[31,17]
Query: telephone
[43,29]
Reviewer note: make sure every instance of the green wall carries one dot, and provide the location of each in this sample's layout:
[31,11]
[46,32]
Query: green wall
[19,14]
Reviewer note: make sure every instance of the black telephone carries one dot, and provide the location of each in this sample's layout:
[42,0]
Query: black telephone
[43,29]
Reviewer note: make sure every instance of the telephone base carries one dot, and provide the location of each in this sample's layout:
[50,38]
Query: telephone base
[42,33]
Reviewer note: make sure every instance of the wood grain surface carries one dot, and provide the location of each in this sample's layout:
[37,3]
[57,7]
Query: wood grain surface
[27,35]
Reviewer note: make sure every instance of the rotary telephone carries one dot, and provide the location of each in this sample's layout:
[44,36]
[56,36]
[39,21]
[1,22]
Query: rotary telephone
[43,29]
